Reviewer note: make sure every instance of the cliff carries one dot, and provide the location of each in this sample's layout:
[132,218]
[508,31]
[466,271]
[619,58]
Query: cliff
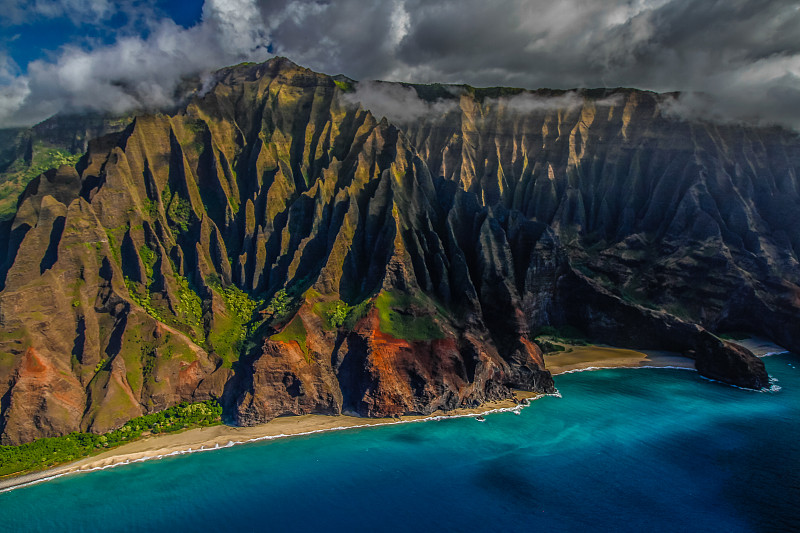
[278,247]
[62,139]
[697,219]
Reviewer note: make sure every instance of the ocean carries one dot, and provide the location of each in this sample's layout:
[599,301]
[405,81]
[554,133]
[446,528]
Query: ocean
[620,450]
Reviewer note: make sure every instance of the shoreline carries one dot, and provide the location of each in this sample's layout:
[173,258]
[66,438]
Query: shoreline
[574,359]
[761,347]
[599,357]
[223,436]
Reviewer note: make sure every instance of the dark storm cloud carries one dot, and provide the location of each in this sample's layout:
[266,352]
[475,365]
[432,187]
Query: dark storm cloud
[736,60]
[742,56]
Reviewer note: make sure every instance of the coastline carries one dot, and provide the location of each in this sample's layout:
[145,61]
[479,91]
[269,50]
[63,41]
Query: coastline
[223,436]
[597,357]
[761,347]
[574,359]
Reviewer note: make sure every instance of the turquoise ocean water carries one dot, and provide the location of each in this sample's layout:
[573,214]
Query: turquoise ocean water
[621,450]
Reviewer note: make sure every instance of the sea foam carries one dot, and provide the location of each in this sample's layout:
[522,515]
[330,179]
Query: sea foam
[591,368]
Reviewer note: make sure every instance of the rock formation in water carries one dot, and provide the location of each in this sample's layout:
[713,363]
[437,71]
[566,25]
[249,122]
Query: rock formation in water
[276,246]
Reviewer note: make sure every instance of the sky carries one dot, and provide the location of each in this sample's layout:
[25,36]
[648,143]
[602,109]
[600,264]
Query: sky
[733,60]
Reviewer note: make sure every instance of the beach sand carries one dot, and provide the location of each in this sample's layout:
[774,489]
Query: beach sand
[576,358]
[760,346]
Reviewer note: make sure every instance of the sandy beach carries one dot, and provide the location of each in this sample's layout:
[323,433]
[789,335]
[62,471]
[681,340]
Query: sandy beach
[576,358]
[761,347]
[579,358]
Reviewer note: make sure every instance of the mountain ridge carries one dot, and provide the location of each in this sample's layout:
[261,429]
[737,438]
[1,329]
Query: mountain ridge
[285,251]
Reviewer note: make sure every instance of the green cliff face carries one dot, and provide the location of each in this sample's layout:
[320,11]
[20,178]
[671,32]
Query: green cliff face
[279,248]
[61,140]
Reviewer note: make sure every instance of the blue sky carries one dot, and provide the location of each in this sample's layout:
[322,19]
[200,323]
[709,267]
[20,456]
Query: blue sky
[40,36]
[737,60]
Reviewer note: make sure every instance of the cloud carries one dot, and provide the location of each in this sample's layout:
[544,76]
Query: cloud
[526,103]
[401,103]
[135,72]
[743,55]
[13,88]
[766,93]
[398,103]
[532,103]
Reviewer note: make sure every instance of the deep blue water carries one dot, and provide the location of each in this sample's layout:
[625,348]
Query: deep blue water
[621,450]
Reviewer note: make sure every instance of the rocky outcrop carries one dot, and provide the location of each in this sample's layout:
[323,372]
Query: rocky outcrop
[728,362]
[277,247]
[610,319]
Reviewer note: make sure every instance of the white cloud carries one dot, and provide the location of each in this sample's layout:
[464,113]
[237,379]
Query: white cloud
[399,104]
[401,22]
[531,103]
[744,54]
[13,88]
[135,72]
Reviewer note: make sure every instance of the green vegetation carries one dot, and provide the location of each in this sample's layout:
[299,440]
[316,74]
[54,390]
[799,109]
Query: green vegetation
[148,361]
[563,335]
[189,306]
[179,209]
[344,85]
[279,305]
[7,361]
[430,92]
[20,173]
[226,338]
[406,317]
[228,334]
[338,313]
[188,309]
[141,296]
[150,207]
[481,93]
[172,347]
[47,452]
[295,330]
[149,259]
[139,356]
[196,128]
[334,314]
[112,244]
[734,336]
[240,304]
[356,313]
[234,203]
[678,309]
[548,347]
